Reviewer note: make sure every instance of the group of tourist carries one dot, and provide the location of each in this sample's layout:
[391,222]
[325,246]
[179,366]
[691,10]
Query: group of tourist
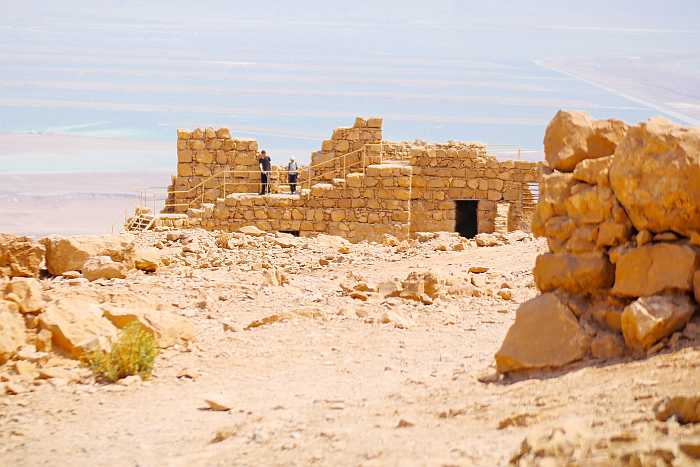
[266,169]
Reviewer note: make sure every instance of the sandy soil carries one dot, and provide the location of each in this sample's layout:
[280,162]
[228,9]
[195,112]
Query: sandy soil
[338,386]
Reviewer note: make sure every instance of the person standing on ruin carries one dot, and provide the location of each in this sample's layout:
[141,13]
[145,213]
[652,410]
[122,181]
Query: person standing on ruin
[265,169]
[292,174]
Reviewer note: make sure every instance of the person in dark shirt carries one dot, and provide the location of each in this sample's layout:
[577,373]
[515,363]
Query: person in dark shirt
[292,174]
[265,169]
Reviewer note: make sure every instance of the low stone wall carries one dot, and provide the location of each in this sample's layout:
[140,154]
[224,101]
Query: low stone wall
[620,209]
[360,207]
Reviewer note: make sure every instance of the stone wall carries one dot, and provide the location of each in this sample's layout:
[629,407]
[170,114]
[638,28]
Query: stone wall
[202,153]
[353,196]
[465,171]
[326,163]
[360,207]
[620,209]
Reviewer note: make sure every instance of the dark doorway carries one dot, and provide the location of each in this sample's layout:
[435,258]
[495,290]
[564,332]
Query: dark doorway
[466,222]
[292,232]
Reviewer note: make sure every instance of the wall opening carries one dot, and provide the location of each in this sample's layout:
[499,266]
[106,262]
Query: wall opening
[292,232]
[466,219]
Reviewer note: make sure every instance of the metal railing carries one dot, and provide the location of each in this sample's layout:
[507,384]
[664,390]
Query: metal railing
[228,178]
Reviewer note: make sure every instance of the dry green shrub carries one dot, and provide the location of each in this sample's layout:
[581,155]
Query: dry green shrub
[132,354]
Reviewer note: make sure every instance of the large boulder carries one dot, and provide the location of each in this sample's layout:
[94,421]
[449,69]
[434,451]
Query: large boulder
[26,293]
[649,319]
[12,331]
[572,137]
[102,267]
[574,273]
[77,326]
[70,253]
[167,327]
[20,256]
[656,176]
[545,334]
[654,268]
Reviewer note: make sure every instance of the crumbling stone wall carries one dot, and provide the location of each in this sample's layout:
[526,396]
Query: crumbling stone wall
[341,196]
[620,209]
[202,153]
[360,207]
[344,141]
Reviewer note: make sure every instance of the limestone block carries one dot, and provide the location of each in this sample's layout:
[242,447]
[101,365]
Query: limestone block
[196,144]
[223,133]
[202,170]
[204,157]
[654,268]
[574,273]
[214,144]
[342,146]
[494,195]
[183,134]
[545,334]
[650,319]
[184,156]
[209,133]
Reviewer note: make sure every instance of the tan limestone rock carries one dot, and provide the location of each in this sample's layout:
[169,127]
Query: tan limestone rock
[167,327]
[77,326]
[594,171]
[654,268]
[12,331]
[545,334]
[70,253]
[102,267]
[147,259]
[649,319]
[252,230]
[574,273]
[590,205]
[20,256]
[26,292]
[656,176]
[556,188]
[607,345]
[572,137]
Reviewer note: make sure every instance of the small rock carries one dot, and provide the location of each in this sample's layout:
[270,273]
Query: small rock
[404,424]
[478,269]
[218,403]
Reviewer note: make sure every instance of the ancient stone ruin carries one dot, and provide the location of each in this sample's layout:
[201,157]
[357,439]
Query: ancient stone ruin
[357,186]
[620,209]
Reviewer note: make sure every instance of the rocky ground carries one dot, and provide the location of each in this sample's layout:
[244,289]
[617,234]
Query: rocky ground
[321,352]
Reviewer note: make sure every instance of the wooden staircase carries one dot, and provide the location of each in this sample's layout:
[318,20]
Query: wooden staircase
[140,222]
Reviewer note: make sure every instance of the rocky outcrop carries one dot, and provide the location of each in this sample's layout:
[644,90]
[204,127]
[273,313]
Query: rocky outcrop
[20,256]
[655,175]
[545,334]
[572,137]
[70,253]
[650,319]
[621,213]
